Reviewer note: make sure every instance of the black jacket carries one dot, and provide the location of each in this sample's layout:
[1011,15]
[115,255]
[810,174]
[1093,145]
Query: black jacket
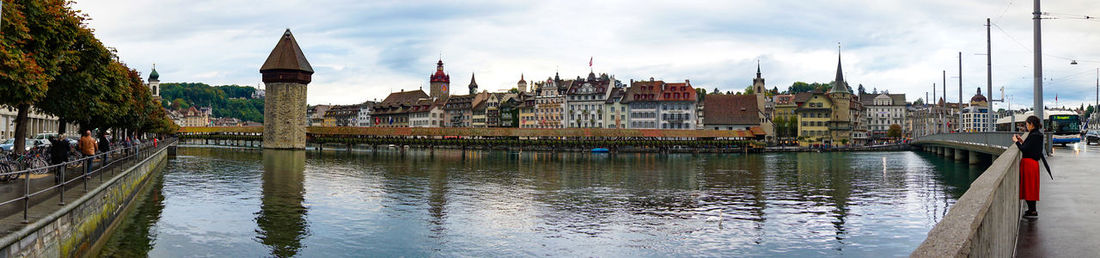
[59,151]
[1032,148]
[104,144]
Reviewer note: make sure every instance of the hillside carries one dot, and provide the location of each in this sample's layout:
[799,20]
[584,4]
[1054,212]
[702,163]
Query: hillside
[226,100]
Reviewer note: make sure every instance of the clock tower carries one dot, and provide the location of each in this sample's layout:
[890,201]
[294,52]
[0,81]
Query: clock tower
[440,82]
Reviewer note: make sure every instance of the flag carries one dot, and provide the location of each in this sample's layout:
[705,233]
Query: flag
[590,61]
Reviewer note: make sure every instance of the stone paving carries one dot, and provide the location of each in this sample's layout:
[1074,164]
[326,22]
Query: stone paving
[1069,207]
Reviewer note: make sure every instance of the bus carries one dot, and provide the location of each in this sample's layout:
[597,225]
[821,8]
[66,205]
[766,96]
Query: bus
[1064,128]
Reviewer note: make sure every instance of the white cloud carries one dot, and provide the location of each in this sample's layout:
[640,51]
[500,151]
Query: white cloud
[364,49]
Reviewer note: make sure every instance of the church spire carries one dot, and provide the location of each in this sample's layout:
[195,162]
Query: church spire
[840,85]
[758,68]
[473,84]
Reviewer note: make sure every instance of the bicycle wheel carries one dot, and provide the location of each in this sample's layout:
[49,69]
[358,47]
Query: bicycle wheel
[4,169]
[40,165]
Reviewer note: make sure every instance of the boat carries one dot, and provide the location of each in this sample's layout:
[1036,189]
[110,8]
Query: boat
[600,150]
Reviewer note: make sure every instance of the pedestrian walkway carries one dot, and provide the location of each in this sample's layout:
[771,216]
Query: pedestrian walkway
[1069,207]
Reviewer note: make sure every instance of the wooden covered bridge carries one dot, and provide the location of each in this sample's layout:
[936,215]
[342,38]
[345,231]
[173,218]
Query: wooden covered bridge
[509,138]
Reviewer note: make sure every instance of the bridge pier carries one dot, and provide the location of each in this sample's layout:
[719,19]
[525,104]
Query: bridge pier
[973,158]
[960,154]
[949,153]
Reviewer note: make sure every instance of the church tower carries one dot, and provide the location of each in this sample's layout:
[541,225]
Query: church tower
[841,123]
[758,82]
[154,83]
[440,82]
[522,84]
[473,84]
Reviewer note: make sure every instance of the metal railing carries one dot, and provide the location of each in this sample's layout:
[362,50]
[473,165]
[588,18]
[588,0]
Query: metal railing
[990,139]
[88,166]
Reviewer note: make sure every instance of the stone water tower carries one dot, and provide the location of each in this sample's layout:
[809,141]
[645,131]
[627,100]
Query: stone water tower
[285,75]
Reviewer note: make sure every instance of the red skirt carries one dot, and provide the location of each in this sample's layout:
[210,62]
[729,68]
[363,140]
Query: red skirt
[1029,179]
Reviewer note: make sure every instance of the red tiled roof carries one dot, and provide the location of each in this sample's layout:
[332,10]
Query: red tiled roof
[731,110]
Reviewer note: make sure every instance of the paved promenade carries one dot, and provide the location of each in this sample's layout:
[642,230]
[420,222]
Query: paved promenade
[1069,207]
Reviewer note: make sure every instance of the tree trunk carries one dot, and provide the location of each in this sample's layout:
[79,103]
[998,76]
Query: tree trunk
[21,129]
[61,128]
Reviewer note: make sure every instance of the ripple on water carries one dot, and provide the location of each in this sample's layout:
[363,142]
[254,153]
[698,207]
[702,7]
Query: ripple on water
[448,203]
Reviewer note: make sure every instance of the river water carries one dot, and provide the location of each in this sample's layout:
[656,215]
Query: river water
[212,201]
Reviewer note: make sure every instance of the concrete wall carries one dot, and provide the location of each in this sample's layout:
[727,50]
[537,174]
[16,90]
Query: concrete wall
[74,229]
[284,110]
[984,221]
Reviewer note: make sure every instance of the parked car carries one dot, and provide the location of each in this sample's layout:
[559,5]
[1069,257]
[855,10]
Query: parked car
[10,143]
[1092,136]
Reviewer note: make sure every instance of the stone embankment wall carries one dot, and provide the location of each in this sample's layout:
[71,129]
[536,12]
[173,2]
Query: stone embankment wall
[76,228]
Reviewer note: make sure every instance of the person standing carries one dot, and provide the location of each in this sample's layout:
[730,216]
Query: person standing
[105,145]
[1032,151]
[59,153]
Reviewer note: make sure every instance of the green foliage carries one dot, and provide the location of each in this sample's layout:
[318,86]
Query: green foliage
[50,59]
[894,131]
[225,101]
[799,87]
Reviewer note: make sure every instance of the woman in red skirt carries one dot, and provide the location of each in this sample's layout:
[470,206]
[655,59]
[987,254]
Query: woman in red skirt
[1032,149]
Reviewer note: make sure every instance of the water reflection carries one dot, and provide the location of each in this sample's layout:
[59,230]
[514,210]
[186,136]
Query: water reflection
[508,203]
[138,237]
[282,218]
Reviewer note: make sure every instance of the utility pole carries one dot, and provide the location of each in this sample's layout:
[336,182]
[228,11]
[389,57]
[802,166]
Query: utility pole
[1038,80]
[1039,71]
[933,112]
[960,90]
[989,78]
[946,115]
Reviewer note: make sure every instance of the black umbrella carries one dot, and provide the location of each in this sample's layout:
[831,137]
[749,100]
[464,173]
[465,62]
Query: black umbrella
[1045,164]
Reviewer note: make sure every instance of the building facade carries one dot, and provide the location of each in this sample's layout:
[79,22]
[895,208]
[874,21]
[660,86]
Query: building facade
[882,111]
[394,110]
[585,100]
[977,115]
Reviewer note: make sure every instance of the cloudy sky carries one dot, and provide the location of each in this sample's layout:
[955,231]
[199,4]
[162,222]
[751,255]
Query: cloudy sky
[362,50]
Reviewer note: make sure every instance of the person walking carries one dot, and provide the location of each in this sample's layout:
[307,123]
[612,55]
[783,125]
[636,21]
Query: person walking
[87,146]
[1032,151]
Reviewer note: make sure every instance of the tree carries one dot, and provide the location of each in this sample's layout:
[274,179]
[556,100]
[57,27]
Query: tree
[779,125]
[716,92]
[36,36]
[513,90]
[748,90]
[862,90]
[894,131]
[919,102]
[70,96]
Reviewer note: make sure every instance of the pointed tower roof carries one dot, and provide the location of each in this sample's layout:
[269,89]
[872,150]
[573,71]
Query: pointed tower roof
[757,69]
[473,82]
[521,78]
[840,86]
[287,56]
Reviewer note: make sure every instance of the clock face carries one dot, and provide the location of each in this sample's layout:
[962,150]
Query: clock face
[444,87]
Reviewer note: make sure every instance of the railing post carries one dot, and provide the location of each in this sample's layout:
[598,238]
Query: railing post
[61,184]
[26,195]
